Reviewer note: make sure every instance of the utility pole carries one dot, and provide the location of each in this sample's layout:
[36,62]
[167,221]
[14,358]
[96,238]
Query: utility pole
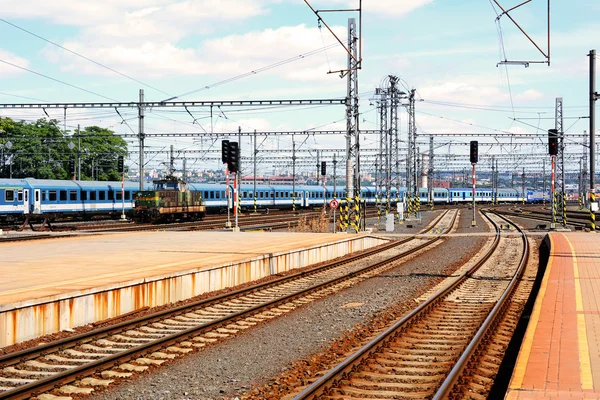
[584,179]
[523,185]
[430,173]
[494,188]
[172,163]
[394,144]
[352,128]
[593,97]
[558,125]
[78,152]
[254,173]
[141,137]
[544,179]
[293,174]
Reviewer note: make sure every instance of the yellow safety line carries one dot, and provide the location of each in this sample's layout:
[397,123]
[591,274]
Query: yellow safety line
[585,366]
[517,379]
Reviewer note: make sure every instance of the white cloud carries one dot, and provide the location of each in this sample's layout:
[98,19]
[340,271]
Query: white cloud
[9,70]
[92,12]
[228,56]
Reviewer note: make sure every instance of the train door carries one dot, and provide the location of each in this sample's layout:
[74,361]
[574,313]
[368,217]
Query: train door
[25,201]
[37,208]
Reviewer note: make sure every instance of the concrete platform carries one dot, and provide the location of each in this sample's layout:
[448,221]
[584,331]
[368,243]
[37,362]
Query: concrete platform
[560,354]
[55,284]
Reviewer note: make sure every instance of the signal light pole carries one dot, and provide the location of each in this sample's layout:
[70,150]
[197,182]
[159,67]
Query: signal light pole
[553,151]
[474,156]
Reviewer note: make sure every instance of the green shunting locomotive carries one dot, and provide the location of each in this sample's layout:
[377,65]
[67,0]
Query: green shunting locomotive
[170,200]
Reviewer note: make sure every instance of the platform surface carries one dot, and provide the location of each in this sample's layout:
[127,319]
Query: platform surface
[560,354]
[51,267]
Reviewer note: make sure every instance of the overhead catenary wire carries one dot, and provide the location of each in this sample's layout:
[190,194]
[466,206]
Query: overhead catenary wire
[58,80]
[82,56]
[254,72]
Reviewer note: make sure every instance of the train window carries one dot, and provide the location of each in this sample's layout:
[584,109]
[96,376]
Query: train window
[84,195]
[111,194]
[127,195]
[52,195]
[93,195]
[102,195]
[287,194]
[277,194]
[20,195]
[205,195]
[218,195]
[9,195]
[44,196]
[63,195]
[72,195]
[119,195]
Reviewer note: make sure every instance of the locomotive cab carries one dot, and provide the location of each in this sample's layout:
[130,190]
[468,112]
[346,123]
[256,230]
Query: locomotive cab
[169,200]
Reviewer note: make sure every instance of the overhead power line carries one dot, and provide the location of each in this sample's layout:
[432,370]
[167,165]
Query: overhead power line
[57,80]
[84,57]
[256,71]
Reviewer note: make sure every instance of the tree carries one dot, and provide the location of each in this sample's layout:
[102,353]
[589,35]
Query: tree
[41,150]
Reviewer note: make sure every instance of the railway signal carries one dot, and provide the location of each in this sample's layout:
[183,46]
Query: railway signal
[120,167]
[234,156]
[553,142]
[323,168]
[474,157]
[474,151]
[224,151]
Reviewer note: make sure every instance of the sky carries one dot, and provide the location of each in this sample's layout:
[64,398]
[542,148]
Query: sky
[274,49]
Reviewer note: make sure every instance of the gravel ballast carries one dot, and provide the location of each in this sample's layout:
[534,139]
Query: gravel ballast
[252,362]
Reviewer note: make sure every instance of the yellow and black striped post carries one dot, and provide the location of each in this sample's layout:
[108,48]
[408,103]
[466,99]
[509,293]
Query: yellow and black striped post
[378,208]
[356,219]
[592,213]
[580,202]
[417,203]
[341,215]
[293,202]
[254,202]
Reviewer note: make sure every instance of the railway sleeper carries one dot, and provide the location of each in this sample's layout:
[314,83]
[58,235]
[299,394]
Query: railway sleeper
[390,385]
[379,394]
[403,372]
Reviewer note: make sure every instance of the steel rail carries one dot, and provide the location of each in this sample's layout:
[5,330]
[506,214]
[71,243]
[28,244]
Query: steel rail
[499,309]
[327,380]
[49,383]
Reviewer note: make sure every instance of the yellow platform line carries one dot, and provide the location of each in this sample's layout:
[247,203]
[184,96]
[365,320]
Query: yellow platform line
[516,381]
[585,366]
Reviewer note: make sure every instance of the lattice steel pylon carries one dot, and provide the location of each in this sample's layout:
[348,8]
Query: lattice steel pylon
[383,182]
[394,139]
[560,162]
[352,131]
[412,155]
[584,173]
[430,173]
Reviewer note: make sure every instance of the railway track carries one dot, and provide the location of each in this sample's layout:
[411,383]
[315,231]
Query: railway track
[79,363]
[580,221]
[436,350]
